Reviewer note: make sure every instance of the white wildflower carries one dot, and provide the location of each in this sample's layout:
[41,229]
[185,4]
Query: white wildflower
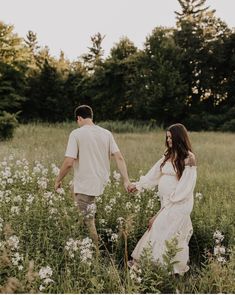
[30,199]
[116,175]
[103,222]
[91,210]
[9,180]
[55,169]
[42,183]
[108,209]
[41,288]
[120,220]
[15,210]
[16,258]
[13,242]
[128,205]
[221,259]
[219,250]
[198,196]
[114,237]
[45,272]
[218,236]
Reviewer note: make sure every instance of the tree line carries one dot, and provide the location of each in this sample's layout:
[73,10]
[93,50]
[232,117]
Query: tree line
[183,74]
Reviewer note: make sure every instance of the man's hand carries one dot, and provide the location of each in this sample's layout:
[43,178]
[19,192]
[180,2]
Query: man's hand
[127,184]
[57,184]
[65,168]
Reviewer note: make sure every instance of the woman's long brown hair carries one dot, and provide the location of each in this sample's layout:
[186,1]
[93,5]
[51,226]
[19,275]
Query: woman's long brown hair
[180,147]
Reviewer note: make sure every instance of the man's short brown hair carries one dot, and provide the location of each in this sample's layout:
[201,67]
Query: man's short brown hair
[83,111]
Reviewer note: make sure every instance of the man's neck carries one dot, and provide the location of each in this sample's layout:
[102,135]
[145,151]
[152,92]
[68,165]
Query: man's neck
[88,122]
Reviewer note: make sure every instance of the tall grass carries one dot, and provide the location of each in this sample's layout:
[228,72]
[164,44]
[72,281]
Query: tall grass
[46,221]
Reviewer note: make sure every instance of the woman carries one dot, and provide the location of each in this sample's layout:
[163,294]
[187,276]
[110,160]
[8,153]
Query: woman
[175,174]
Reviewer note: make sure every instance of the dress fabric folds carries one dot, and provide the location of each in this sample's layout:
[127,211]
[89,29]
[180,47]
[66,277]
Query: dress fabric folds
[173,219]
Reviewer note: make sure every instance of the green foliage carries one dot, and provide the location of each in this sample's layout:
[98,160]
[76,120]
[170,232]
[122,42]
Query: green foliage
[229,126]
[8,123]
[155,277]
[182,74]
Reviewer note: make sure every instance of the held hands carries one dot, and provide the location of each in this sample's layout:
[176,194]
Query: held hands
[132,188]
[129,187]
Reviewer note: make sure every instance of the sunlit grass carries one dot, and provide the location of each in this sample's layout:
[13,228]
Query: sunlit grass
[44,221]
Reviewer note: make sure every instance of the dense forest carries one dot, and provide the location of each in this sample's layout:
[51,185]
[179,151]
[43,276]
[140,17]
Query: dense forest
[183,74]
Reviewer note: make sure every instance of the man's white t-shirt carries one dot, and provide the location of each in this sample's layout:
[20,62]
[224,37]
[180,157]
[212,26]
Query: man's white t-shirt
[92,147]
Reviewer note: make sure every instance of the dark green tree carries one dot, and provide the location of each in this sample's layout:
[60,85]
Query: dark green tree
[94,57]
[14,60]
[163,88]
[198,31]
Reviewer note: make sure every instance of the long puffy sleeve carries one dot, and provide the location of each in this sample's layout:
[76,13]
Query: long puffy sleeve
[150,180]
[186,185]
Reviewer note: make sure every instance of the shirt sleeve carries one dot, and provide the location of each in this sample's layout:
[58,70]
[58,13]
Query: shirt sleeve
[113,146]
[150,180]
[72,147]
[186,185]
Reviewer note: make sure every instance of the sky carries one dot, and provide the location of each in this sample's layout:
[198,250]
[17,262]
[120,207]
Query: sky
[68,24]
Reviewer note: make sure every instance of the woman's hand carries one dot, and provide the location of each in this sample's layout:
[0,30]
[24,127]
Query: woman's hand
[131,188]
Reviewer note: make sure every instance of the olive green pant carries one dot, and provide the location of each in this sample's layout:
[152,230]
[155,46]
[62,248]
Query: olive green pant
[87,206]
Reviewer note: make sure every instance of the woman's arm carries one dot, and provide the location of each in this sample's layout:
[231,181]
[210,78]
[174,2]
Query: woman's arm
[150,180]
[187,182]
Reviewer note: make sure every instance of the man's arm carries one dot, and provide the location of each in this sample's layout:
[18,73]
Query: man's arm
[121,164]
[65,168]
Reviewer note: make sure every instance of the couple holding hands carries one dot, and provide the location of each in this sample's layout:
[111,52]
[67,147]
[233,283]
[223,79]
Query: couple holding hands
[89,150]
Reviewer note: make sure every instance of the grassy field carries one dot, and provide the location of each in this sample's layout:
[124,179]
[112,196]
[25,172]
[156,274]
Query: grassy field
[43,245]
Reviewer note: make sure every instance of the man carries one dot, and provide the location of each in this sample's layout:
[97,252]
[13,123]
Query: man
[88,152]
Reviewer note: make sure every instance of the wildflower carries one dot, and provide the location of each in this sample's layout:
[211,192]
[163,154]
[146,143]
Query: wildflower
[128,205]
[86,251]
[134,275]
[72,246]
[45,272]
[55,169]
[15,210]
[16,258]
[41,288]
[103,222]
[108,209]
[120,220]
[219,250]
[30,199]
[44,172]
[42,183]
[13,242]
[218,236]
[91,210]
[17,199]
[221,259]
[114,237]
[116,176]
[198,196]
[48,280]
[36,170]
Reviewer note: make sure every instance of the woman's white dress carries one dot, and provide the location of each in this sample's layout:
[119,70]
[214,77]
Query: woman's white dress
[173,220]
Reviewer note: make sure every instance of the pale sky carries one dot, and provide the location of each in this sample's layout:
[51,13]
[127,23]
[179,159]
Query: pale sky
[68,24]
